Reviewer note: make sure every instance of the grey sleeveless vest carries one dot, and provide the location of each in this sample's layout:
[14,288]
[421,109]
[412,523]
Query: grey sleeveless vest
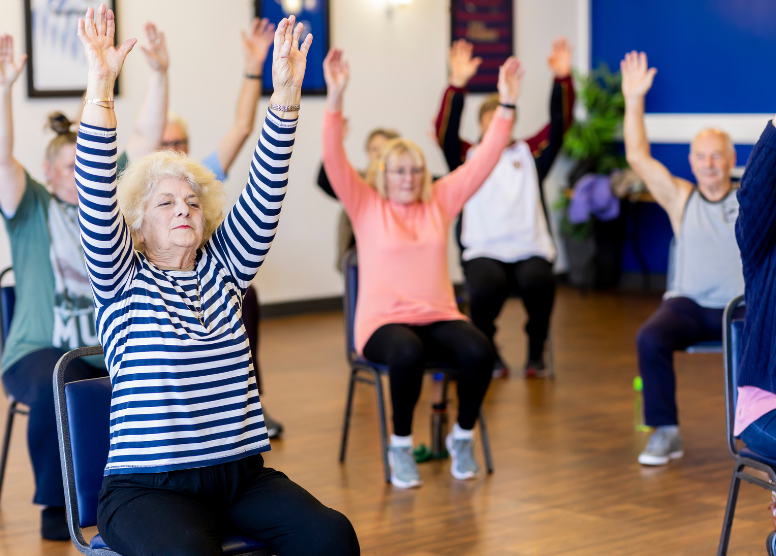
[706,263]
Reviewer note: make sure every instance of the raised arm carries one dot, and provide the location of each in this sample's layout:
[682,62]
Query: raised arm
[453,190]
[670,192]
[243,240]
[104,234]
[11,172]
[345,181]
[546,145]
[448,122]
[149,123]
[256,44]
[756,224]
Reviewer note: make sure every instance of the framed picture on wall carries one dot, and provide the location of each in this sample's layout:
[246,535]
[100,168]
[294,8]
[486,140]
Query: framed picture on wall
[489,26]
[314,15]
[56,65]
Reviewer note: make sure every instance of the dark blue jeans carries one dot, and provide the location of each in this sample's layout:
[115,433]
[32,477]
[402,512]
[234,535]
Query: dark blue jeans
[760,436]
[678,323]
[30,380]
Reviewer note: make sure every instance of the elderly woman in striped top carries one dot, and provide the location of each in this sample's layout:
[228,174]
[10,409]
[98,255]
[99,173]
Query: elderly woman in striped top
[168,278]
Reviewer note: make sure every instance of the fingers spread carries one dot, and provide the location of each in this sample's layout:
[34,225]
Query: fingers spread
[308,41]
[279,35]
[297,34]
[89,23]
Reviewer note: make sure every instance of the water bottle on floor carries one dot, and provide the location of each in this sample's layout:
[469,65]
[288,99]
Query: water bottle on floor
[439,430]
[638,406]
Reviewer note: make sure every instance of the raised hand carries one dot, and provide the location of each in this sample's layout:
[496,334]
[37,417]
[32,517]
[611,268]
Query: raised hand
[256,44]
[462,65]
[289,61]
[510,77]
[559,59]
[336,72]
[156,52]
[9,70]
[97,32]
[636,75]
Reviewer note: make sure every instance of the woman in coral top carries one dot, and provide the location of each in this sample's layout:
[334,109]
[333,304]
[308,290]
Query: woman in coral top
[406,311]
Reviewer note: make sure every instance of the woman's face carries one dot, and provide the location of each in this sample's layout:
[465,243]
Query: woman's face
[173,219]
[60,174]
[403,179]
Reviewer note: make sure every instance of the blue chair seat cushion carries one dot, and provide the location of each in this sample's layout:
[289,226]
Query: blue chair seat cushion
[232,545]
[757,457]
[705,347]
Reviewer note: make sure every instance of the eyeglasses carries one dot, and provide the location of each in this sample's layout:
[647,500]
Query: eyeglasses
[175,145]
[404,172]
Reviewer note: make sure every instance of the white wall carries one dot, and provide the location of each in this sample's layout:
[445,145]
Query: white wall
[398,75]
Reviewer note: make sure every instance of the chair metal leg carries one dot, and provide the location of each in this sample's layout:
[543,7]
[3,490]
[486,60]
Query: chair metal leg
[550,355]
[348,411]
[382,424]
[7,440]
[485,442]
[730,511]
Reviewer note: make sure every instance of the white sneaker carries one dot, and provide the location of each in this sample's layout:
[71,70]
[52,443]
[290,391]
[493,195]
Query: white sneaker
[664,445]
[464,466]
[404,470]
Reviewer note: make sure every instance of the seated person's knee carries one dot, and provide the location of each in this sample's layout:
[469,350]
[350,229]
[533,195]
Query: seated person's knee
[332,534]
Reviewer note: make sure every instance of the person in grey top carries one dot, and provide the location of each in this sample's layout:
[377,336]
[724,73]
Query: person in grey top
[706,268]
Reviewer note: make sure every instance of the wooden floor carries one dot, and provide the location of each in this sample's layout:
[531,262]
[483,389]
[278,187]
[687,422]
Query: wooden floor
[566,480]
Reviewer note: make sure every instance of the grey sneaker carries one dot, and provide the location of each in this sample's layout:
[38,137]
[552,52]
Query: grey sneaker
[664,445]
[404,470]
[274,428]
[461,451]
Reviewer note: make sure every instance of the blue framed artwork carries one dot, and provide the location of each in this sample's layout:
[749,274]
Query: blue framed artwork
[56,65]
[488,25]
[314,15]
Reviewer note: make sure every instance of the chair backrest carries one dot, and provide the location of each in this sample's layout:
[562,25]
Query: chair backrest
[83,424]
[7,300]
[732,330]
[350,273]
[671,272]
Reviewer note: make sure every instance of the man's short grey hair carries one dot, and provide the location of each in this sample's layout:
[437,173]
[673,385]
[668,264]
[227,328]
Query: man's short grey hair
[176,119]
[714,132]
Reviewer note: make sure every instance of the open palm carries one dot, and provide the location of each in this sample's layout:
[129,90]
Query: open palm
[510,78]
[289,60]
[156,51]
[336,72]
[97,33]
[637,77]
[256,43]
[462,65]
[9,70]
[560,58]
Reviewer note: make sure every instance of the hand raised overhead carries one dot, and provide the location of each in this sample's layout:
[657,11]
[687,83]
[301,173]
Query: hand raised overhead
[256,44]
[289,61]
[9,70]
[462,66]
[560,58]
[97,32]
[156,51]
[636,75]
[336,72]
[510,78]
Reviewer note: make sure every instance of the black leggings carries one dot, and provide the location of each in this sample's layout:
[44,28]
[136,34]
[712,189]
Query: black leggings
[490,282]
[406,349]
[188,512]
[29,381]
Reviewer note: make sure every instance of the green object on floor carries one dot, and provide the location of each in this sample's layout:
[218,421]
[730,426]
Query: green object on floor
[423,454]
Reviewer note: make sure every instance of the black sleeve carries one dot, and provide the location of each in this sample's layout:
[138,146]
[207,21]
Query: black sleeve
[323,183]
[452,146]
[550,150]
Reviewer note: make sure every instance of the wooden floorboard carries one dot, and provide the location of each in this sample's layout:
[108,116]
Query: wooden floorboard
[566,482]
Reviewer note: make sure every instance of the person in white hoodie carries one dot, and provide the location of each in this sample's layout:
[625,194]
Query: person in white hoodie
[503,231]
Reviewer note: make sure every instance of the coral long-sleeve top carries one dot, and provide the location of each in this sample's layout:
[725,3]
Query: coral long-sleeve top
[402,249]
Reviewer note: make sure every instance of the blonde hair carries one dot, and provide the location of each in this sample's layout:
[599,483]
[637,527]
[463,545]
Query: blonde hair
[137,183]
[376,174]
[62,126]
[490,103]
[176,119]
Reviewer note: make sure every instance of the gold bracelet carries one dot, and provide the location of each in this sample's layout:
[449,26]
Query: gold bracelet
[98,101]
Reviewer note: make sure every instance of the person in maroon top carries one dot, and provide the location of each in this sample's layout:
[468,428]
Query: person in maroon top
[521,262]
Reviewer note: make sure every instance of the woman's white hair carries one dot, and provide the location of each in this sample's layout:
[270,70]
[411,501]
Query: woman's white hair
[136,186]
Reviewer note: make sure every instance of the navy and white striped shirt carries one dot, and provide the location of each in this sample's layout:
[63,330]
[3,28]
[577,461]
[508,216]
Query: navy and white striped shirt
[184,395]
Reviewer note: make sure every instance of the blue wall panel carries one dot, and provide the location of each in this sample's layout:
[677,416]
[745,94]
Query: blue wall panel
[713,56]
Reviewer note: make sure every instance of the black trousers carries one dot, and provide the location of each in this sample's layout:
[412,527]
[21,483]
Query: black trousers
[188,512]
[490,281]
[29,380]
[678,323]
[406,349]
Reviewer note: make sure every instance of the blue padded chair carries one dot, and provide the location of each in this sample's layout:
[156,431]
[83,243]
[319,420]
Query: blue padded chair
[743,458]
[700,347]
[83,415]
[7,299]
[367,372]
